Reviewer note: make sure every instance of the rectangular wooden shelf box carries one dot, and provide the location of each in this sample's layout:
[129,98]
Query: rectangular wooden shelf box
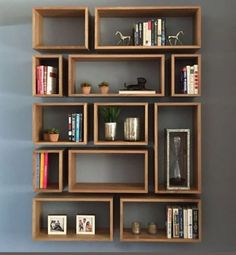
[48,115]
[72,205]
[152,209]
[55,170]
[48,60]
[139,110]
[107,171]
[126,69]
[107,18]
[64,23]
[183,115]
[178,61]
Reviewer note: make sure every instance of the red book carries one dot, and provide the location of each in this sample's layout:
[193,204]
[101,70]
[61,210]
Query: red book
[39,79]
[45,176]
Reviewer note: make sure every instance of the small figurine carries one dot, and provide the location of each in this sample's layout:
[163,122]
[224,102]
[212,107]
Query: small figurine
[124,39]
[140,86]
[175,38]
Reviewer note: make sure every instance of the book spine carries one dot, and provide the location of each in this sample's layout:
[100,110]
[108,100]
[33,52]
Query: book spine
[69,127]
[40,87]
[38,82]
[37,171]
[45,176]
[195,224]
[81,127]
[163,32]
[155,32]
[152,32]
[136,34]
[190,223]
[175,222]
[41,170]
[73,126]
[169,222]
[51,80]
[181,224]
[191,79]
[140,30]
[145,34]
[159,32]
[149,33]
[45,79]
[188,79]
[196,79]
[77,127]
[185,222]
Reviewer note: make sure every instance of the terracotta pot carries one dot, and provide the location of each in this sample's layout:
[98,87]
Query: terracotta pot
[46,137]
[53,137]
[86,90]
[104,89]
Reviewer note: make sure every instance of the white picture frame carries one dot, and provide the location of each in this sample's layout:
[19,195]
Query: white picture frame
[85,224]
[57,224]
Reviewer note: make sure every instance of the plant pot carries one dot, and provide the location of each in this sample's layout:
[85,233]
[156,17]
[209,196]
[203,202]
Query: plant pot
[104,89]
[53,137]
[46,137]
[86,90]
[110,131]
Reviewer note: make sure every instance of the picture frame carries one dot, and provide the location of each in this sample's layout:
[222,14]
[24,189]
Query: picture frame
[57,224]
[85,224]
[178,159]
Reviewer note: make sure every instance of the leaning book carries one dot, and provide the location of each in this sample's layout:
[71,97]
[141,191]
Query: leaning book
[137,92]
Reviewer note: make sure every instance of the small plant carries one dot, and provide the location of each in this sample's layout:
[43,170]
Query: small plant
[53,131]
[103,87]
[85,84]
[85,88]
[103,84]
[110,114]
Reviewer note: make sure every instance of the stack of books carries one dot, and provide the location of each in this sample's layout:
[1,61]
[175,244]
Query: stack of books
[46,80]
[75,127]
[182,222]
[150,33]
[42,170]
[189,80]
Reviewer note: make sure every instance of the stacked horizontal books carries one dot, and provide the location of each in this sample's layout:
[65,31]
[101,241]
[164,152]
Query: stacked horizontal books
[46,80]
[189,80]
[75,127]
[42,170]
[150,33]
[182,222]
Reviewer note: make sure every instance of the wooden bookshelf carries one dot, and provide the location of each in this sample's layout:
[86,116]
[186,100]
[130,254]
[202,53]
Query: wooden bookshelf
[38,119]
[136,110]
[39,232]
[52,60]
[195,188]
[97,62]
[144,12]
[178,61]
[126,234]
[76,172]
[72,17]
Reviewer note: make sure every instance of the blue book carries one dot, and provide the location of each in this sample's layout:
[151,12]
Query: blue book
[181,223]
[77,127]
[73,126]
[37,170]
[81,127]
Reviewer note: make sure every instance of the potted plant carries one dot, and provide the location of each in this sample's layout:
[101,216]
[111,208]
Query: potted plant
[103,87]
[85,88]
[53,134]
[110,116]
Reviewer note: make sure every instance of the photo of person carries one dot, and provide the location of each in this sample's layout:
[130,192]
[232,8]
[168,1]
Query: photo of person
[57,224]
[85,224]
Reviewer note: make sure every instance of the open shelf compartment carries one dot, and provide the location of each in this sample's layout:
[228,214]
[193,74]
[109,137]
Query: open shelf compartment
[108,171]
[71,205]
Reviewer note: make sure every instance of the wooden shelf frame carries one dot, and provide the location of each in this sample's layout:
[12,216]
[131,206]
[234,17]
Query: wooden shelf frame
[57,187]
[149,11]
[97,141]
[161,189]
[37,60]
[73,186]
[37,123]
[41,234]
[196,58]
[126,234]
[73,59]
[58,11]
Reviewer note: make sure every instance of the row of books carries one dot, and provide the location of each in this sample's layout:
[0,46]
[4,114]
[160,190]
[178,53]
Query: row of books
[189,80]
[46,80]
[42,170]
[150,33]
[75,127]
[182,222]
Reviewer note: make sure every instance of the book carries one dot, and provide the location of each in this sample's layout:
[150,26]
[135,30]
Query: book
[41,170]
[37,175]
[81,127]
[190,225]
[39,79]
[69,127]
[149,33]
[188,79]
[136,34]
[181,223]
[145,27]
[175,222]
[163,31]
[45,173]
[51,80]
[169,222]
[77,126]
[159,32]
[137,92]
[196,79]
[195,223]
[73,116]
[183,80]
[155,32]
[152,32]
[185,214]
[140,30]
[191,82]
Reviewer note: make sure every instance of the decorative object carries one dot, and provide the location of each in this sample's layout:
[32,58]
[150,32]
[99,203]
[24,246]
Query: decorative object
[110,115]
[104,87]
[136,227]
[57,224]
[124,39]
[175,38]
[132,129]
[85,224]
[51,135]
[152,228]
[46,135]
[139,86]
[178,158]
[85,88]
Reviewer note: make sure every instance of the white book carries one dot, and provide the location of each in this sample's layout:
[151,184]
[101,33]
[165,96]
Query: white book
[149,33]
[159,32]
[175,222]
[137,92]
[185,214]
[190,223]
[51,80]
[196,79]
[191,89]
[145,33]
[188,79]
[169,222]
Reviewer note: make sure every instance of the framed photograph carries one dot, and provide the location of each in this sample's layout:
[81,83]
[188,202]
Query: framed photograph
[178,159]
[57,224]
[85,224]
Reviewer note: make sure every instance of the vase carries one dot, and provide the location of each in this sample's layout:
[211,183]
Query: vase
[110,131]
[132,129]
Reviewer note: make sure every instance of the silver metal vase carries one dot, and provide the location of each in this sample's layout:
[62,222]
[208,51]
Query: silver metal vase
[110,131]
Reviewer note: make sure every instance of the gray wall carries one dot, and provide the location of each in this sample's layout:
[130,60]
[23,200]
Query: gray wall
[219,105]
